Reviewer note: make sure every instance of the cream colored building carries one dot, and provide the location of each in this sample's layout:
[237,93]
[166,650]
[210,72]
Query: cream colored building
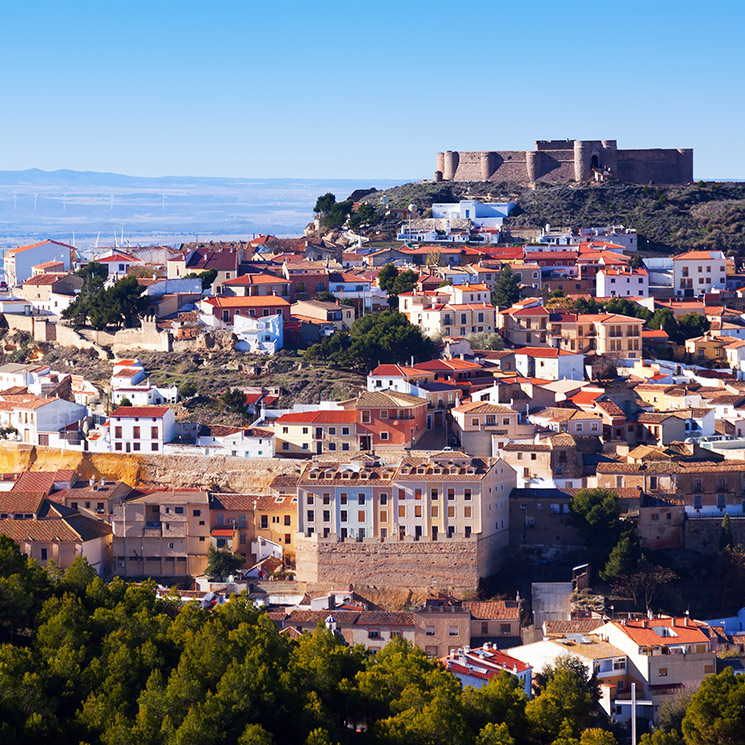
[316,432]
[165,534]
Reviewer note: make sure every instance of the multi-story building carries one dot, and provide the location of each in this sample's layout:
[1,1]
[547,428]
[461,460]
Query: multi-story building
[622,282]
[699,272]
[255,285]
[140,429]
[349,500]
[316,432]
[481,427]
[666,656]
[457,310]
[553,462]
[94,498]
[51,293]
[525,324]
[255,521]
[388,419]
[18,262]
[707,489]
[606,333]
[442,629]
[454,494]
[42,421]
[165,534]
[549,363]
[220,312]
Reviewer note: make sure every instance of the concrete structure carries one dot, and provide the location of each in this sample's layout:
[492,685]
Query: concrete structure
[550,363]
[698,272]
[263,335]
[560,161]
[145,429]
[622,282]
[18,262]
[162,534]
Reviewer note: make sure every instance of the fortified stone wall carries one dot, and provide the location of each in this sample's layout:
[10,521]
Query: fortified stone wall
[559,161]
[455,563]
[702,533]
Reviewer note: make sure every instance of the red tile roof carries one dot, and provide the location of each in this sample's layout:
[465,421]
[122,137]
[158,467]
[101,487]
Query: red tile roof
[344,416]
[130,412]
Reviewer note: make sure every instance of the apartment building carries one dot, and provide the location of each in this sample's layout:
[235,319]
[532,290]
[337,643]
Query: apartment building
[442,629]
[550,363]
[554,462]
[622,282]
[141,429]
[666,656]
[316,432]
[351,500]
[164,534]
[698,272]
[525,324]
[40,420]
[93,498]
[606,333]
[457,310]
[18,262]
[255,285]
[707,489]
[453,494]
[253,518]
[480,427]
[388,419]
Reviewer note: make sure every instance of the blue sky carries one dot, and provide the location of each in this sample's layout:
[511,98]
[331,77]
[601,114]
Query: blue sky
[351,90]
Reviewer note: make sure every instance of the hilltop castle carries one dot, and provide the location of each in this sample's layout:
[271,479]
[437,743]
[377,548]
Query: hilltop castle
[556,161]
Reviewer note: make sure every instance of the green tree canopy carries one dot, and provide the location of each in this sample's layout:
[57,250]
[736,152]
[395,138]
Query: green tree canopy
[221,563]
[506,288]
[716,714]
[595,513]
[325,203]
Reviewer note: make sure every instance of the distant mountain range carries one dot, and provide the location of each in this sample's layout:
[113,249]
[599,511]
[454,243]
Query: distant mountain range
[36,204]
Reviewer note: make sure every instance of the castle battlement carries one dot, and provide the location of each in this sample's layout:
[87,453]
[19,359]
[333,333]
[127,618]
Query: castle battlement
[561,161]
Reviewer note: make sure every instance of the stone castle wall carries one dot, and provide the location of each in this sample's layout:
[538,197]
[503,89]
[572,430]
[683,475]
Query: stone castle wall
[455,563]
[560,161]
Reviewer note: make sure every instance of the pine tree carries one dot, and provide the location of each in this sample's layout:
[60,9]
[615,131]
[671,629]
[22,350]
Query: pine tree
[726,540]
[507,288]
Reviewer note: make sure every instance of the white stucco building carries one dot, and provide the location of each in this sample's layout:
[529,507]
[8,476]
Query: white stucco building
[139,429]
[697,272]
[622,282]
[549,363]
[18,262]
[264,335]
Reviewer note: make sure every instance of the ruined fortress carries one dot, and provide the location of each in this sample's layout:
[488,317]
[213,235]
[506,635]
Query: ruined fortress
[560,161]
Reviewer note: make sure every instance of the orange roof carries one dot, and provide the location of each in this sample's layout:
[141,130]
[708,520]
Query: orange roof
[256,279]
[130,412]
[398,371]
[117,256]
[682,631]
[543,352]
[247,302]
[344,416]
[21,249]
[699,256]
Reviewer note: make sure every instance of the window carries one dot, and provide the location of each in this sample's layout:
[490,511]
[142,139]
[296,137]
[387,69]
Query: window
[366,417]
[287,519]
[453,631]
[311,515]
[361,516]
[154,447]
[429,631]
[153,433]
[468,531]
[196,513]
[373,634]
[118,432]
[43,554]
[136,432]
[402,510]
[383,516]
[383,499]
[178,510]
[327,516]
[662,672]
[505,628]
[360,499]
[484,628]
[288,538]
[343,516]
[264,522]
[345,430]
[135,446]
[384,435]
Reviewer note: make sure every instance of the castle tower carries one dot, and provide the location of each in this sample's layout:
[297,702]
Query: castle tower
[440,167]
[532,165]
[582,160]
[450,165]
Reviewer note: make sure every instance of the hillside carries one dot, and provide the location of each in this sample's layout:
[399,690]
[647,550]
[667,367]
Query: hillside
[667,218]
